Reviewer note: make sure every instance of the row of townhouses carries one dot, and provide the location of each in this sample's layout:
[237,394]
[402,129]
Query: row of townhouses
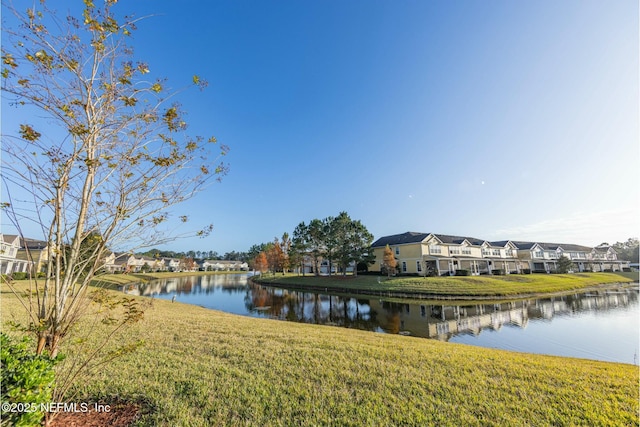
[440,254]
[22,255]
[416,253]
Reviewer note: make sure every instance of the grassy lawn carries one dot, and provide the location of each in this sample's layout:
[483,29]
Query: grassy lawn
[483,286]
[201,367]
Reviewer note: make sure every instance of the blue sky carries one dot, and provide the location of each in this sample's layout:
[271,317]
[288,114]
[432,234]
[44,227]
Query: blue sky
[498,120]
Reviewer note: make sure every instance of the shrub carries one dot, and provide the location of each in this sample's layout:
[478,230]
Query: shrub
[526,271]
[19,275]
[498,272]
[25,378]
[462,272]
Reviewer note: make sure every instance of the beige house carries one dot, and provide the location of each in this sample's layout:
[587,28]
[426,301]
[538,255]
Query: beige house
[223,265]
[440,254]
[9,260]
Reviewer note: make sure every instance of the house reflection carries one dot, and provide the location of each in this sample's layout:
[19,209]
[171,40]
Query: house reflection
[436,321]
[190,285]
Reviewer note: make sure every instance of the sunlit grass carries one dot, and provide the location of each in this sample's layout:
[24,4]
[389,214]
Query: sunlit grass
[201,367]
[484,286]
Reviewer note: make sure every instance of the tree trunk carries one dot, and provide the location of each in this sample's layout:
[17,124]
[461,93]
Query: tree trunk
[42,341]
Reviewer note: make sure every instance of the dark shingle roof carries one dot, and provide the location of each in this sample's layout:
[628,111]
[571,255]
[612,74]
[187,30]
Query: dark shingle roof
[552,246]
[456,240]
[413,237]
[400,239]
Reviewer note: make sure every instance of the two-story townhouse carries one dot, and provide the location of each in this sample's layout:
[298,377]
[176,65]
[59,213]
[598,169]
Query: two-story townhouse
[171,264]
[442,254]
[605,258]
[9,261]
[34,253]
[223,265]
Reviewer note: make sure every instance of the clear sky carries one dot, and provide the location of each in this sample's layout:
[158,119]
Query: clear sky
[497,120]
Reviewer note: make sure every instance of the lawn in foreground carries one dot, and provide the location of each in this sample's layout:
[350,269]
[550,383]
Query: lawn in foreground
[201,367]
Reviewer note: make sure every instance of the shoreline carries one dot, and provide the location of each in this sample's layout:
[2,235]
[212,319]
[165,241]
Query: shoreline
[440,296]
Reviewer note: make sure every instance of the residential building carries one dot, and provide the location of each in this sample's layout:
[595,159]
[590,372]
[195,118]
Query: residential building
[9,260]
[223,265]
[440,254]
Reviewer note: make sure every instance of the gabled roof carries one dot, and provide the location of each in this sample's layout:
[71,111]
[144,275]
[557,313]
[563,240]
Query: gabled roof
[504,244]
[33,244]
[552,246]
[413,237]
[10,238]
[458,240]
[400,239]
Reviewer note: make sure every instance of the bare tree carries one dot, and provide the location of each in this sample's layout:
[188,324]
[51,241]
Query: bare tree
[105,152]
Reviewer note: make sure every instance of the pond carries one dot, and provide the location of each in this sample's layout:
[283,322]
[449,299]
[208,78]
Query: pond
[601,325]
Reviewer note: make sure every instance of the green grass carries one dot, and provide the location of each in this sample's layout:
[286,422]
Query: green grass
[478,286]
[201,367]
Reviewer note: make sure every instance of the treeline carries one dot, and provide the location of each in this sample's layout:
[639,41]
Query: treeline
[628,250]
[197,255]
[340,241]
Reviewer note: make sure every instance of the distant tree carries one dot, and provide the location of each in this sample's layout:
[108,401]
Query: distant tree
[352,241]
[187,264]
[275,257]
[331,240]
[564,265]
[286,248]
[389,262]
[315,237]
[628,250]
[299,246]
[260,263]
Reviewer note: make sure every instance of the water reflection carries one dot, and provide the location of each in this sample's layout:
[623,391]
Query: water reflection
[445,322]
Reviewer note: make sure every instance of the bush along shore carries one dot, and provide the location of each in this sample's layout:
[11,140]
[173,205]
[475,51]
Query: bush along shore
[201,367]
[463,288]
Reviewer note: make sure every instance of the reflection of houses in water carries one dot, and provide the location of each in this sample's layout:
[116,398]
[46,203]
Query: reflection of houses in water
[189,285]
[445,321]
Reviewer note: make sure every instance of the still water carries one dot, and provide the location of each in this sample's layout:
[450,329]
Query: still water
[600,325]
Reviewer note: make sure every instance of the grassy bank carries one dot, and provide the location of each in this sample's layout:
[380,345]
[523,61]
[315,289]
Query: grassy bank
[478,286]
[200,367]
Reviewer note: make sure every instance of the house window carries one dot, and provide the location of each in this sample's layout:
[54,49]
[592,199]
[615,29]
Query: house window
[454,251]
[495,252]
[508,252]
[435,249]
[419,266]
[397,250]
[466,251]
[538,254]
[404,267]
[485,252]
